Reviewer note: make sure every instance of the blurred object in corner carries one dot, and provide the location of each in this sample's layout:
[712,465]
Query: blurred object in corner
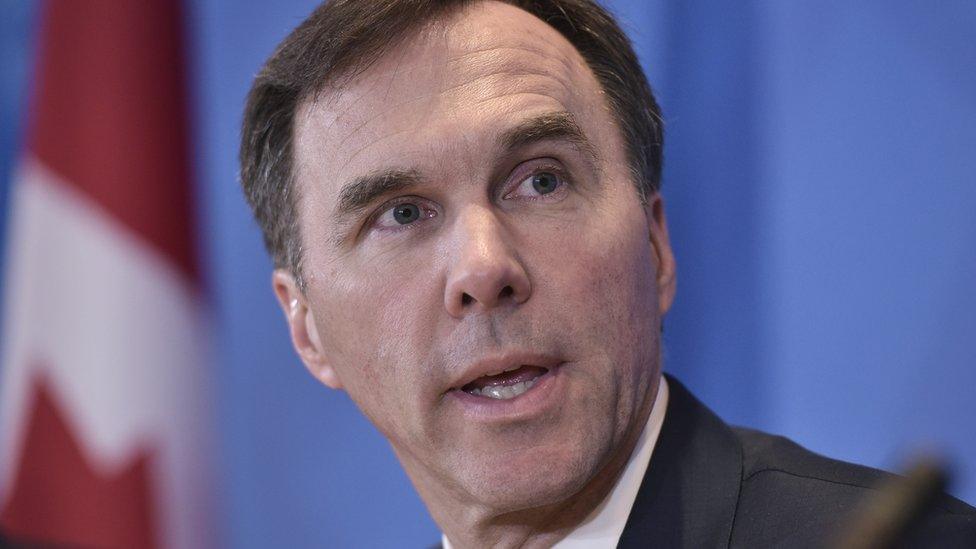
[885,519]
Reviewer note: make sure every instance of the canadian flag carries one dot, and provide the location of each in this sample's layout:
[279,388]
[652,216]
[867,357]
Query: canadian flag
[104,416]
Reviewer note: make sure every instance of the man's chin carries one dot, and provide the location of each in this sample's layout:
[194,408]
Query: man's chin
[527,484]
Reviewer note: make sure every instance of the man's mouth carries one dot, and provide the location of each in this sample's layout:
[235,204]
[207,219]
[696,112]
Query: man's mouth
[507,384]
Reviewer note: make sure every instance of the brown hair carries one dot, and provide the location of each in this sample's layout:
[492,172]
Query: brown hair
[342,38]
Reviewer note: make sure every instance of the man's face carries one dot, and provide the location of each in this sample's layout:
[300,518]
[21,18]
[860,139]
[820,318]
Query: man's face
[470,226]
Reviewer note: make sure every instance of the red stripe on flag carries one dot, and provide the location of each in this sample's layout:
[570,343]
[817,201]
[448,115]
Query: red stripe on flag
[110,114]
[59,497]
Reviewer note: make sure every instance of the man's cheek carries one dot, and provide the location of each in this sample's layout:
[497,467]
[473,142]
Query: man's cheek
[350,347]
[361,313]
[617,290]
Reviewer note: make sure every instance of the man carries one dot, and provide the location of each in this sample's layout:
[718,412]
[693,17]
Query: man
[461,198]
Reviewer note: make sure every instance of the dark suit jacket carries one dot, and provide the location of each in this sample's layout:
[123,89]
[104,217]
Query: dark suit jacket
[711,485]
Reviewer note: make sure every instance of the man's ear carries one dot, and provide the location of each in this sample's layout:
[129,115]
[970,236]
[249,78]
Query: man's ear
[657,225]
[301,325]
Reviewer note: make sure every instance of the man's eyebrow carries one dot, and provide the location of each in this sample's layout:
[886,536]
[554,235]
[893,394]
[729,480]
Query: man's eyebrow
[362,191]
[551,126]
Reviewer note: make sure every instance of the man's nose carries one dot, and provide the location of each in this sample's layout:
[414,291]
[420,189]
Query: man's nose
[487,272]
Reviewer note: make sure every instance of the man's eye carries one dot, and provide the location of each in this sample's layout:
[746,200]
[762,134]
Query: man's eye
[406,213]
[402,214]
[538,184]
[545,182]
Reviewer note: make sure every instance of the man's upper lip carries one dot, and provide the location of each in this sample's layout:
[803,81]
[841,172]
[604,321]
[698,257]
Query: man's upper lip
[499,363]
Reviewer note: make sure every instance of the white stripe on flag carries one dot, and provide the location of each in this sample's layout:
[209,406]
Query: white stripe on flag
[119,335]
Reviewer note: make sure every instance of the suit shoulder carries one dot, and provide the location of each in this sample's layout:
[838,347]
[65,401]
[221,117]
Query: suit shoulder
[764,454]
[788,491]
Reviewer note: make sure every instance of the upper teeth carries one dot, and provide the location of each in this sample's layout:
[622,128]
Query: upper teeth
[504,392]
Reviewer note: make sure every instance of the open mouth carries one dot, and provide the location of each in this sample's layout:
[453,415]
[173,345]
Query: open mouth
[506,385]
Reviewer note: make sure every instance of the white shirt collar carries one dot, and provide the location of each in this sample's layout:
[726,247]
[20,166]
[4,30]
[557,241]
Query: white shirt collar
[603,527]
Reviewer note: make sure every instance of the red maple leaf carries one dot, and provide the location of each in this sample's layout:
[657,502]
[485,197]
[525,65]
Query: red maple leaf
[59,498]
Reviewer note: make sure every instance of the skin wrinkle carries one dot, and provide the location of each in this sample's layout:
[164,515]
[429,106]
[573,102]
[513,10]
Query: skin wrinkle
[593,264]
[392,74]
[398,107]
[396,70]
[398,133]
[511,77]
[496,49]
[568,67]
[457,119]
[522,71]
[331,95]
[346,80]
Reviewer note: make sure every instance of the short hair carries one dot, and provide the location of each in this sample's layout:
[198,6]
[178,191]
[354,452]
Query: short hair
[343,38]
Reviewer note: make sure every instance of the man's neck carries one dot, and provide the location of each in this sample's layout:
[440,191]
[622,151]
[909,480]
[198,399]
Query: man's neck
[467,526]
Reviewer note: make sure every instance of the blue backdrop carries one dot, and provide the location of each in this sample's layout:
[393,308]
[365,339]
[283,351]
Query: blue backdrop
[821,190]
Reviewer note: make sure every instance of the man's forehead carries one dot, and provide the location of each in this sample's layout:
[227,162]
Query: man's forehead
[486,63]
[482,39]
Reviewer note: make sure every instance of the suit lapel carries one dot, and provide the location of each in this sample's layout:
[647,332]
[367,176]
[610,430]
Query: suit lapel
[689,493]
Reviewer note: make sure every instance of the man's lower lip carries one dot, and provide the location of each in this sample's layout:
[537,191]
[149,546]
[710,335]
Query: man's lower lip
[534,399]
